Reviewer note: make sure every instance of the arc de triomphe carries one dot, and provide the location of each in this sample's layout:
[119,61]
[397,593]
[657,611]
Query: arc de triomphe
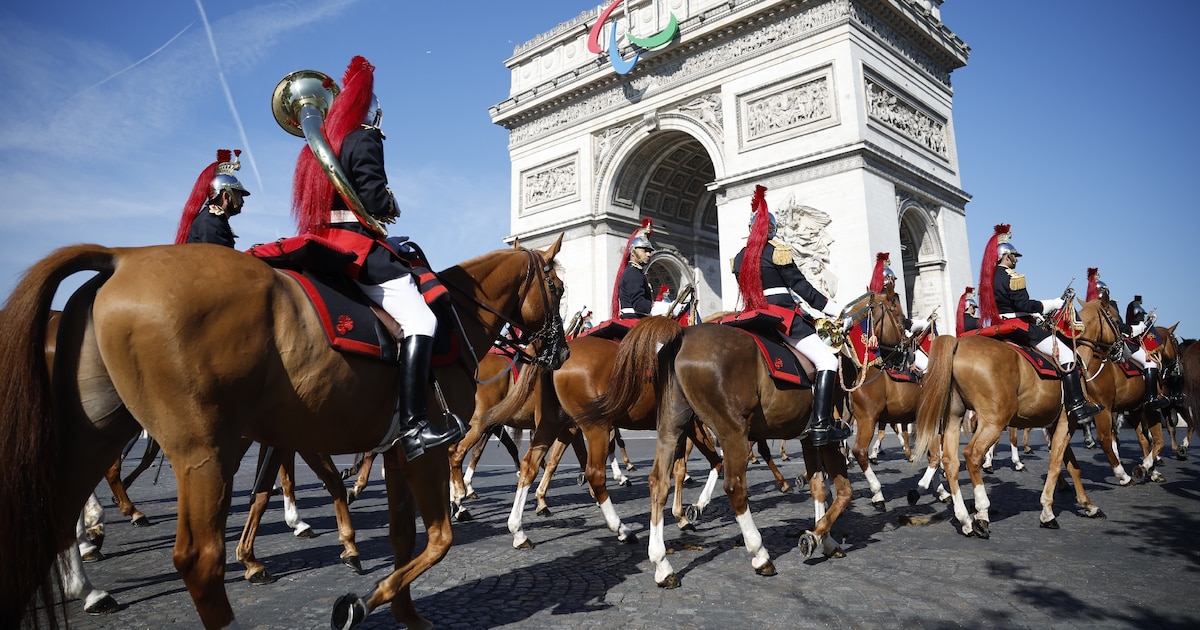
[843,109]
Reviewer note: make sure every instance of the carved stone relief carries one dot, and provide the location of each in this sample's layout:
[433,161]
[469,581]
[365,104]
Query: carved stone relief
[806,230]
[898,114]
[547,184]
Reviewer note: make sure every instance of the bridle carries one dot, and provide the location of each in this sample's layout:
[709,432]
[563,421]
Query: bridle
[549,340]
[1112,351]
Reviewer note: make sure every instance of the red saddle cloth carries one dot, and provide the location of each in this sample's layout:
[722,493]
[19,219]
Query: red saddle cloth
[1003,328]
[1040,362]
[762,326]
[345,313]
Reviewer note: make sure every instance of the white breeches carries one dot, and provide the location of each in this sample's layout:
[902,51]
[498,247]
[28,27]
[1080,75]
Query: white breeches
[920,359]
[816,351]
[1142,359]
[1066,356]
[403,301]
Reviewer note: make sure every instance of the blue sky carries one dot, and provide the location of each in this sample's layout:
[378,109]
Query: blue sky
[1074,122]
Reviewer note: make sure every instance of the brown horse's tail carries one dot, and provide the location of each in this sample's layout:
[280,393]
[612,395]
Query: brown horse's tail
[29,440]
[935,392]
[1189,362]
[520,391]
[636,364]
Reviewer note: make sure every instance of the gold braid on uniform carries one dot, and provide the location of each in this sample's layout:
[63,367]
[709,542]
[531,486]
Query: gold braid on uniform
[1016,281]
[783,253]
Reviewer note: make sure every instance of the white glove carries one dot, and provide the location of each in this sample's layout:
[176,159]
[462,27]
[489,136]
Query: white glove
[660,308]
[1137,329]
[918,324]
[1051,305]
[832,309]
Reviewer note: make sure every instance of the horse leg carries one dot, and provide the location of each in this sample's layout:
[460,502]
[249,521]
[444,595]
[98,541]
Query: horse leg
[830,463]
[364,476]
[618,475]
[473,442]
[1018,465]
[597,443]
[624,455]
[783,450]
[93,529]
[701,439]
[552,460]
[765,452]
[121,496]
[1103,422]
[287,485]
[1156,450]
[735,489]
[75,582]
[327,472]
[204,477]
[950,466]
[256,572]
[867,417]
[876,444]
[986,436]
[144,464]
[548,424]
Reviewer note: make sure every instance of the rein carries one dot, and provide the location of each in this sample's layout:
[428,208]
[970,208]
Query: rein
[551,335]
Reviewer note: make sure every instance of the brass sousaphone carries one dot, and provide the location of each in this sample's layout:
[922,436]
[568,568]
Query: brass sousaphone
[300,102]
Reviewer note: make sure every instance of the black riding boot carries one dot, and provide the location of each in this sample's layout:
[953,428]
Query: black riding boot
[1153,400]
[417,434]
[1078,407]
[823,431]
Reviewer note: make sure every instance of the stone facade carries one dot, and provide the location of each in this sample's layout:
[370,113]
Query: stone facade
[842,108]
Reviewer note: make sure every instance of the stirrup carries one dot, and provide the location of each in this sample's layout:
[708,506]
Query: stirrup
[836,433]
[1083,412]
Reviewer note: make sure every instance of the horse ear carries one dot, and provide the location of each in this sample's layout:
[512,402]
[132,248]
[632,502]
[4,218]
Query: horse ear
[549,254]
[516,243]
[1172,328]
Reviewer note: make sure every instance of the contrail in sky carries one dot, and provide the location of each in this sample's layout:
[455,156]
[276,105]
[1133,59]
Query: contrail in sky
[229,95]
[138,62]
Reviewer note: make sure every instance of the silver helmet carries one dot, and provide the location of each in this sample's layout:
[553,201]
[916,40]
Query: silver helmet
[374,117]
[889,276]
[971,305]
[1004,249]
[771,228]
[225,179]
[640,241]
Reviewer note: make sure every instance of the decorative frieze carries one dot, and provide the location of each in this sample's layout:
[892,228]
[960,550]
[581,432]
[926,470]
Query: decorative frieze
[787,109]
[899,114]
[550,184]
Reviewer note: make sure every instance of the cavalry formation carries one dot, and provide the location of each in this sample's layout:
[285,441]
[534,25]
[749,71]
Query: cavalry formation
[207,349]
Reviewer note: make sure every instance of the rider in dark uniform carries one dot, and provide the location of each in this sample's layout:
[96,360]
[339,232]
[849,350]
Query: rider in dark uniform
[769,284]
[1098,290]
[968,312]
[635,294]
[1003,295]
[216,196]
[352,131]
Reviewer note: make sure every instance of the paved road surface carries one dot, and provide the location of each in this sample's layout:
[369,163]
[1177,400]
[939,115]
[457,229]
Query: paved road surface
[1135,569]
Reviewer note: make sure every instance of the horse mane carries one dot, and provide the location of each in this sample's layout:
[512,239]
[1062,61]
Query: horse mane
[636,364]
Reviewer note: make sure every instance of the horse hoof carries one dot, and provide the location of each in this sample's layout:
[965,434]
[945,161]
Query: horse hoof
[348,611]
[1028,450]
[307,532]
[350,497]
[784,457]
[1097,514]
[473,495]
[807,544]
[625,483]
[527,544]
[93,556]
[260,578]
[1020,467]
[630,467]
[692,513]
[105,606]
[140,521]
[1050,524]
[629,539]
[983,528]
[988,469]
[545,511]
[837,552]
[786,488]
[1139,472]
[1157,478]
[580,479]
[353,562]
[687,527]
[767,569]
[671,581]
[873,460]
[879,506]
[463,516]
[913,497]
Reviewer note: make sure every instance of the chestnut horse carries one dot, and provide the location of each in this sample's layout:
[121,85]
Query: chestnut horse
[716,374]
[992,379]
[204,346]
[875,398]
[1108,384]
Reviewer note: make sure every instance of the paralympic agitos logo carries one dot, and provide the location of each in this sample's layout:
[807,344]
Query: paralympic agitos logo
[623,66]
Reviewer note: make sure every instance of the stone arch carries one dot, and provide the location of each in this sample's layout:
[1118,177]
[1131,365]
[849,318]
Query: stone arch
[661,168]
[923,255]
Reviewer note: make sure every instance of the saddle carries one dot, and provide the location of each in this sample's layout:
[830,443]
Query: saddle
[611,329]
[351,321]
[786,364]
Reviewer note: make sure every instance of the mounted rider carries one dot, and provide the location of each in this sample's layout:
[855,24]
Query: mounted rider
[216,196]
[1002,295]
[883,279]
[968,312]
[1098,290]
[769,285]
[633,296]
[352,131]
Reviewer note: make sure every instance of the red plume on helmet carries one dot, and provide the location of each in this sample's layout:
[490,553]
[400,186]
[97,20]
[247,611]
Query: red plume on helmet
[200,193]
[750,275]
[962,308]
[987,271]
[645,230]
[881,262]
[312,191]
[1093,292]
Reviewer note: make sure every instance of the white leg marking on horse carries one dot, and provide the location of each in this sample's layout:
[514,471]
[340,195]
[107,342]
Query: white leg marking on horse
[658,554]
[618,476]
[709,487]
[753,541]
[876,487]
[612,520]
[468,476]
[987,458]
[960,512]
[818,510]
[514,517]
[291,516]
[981,503]
[1123,478]
[927,478]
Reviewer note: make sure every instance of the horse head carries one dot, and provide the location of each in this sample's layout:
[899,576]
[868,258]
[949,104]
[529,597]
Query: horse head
[887,319]
[1101,328]
[549,341]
